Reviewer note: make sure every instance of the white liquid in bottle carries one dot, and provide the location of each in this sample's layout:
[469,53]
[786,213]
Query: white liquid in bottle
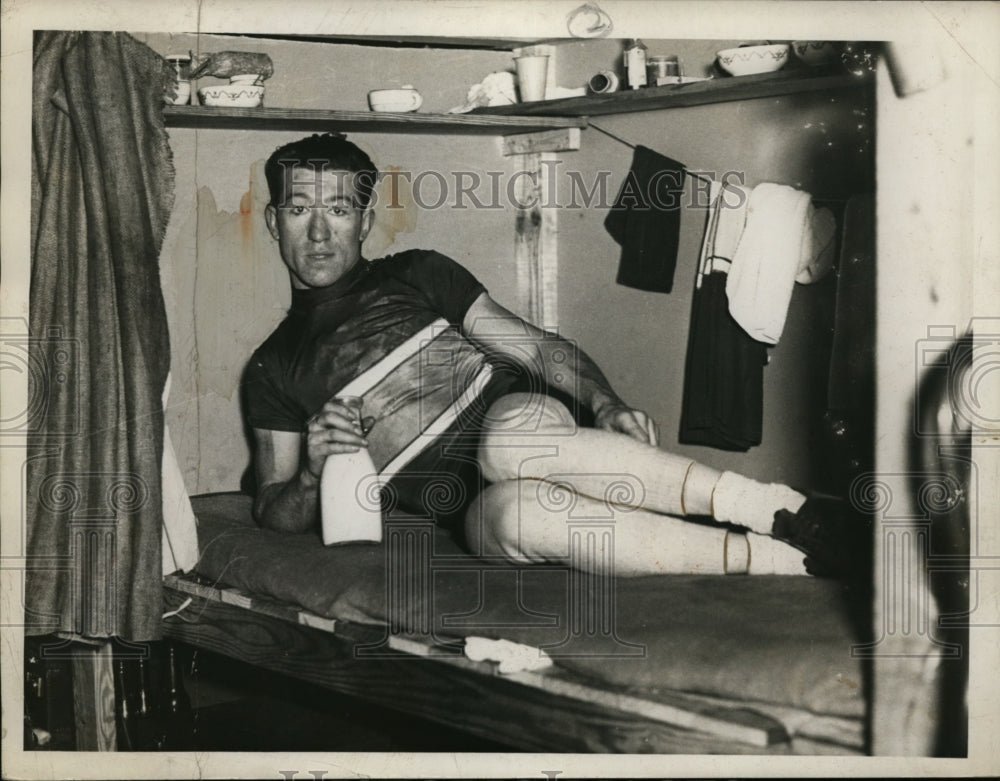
[349,495]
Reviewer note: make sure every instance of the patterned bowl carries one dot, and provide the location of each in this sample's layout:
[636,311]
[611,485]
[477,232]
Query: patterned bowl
[232,95]
[747,60]
[817,52]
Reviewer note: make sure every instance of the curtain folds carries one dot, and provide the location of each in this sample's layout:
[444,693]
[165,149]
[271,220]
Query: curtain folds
[102,191]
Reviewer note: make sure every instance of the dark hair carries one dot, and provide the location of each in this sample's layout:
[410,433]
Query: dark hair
[323,151]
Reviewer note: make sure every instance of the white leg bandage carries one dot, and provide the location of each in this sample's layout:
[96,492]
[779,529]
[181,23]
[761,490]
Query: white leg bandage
[745,502]
[736,554]
[773,557]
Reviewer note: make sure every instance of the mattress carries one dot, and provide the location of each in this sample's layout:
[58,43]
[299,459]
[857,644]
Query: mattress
[781,645]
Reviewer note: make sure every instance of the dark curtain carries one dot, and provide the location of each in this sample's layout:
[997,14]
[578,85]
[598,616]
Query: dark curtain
[102,190]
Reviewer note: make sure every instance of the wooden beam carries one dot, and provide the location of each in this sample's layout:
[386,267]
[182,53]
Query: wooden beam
[410,41]
[211,117]
[94,698]
[561,140]
[463,694]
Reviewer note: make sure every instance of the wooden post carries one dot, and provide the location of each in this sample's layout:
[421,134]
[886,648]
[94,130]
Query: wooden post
[536,249]
[94,698]
[920,300]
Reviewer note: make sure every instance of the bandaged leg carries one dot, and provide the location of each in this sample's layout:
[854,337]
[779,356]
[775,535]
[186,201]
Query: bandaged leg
[533,522]
[745,502]
[534,438]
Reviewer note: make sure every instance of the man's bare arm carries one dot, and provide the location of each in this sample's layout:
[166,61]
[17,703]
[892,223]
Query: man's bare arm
[288,484]
[287,497]
[558,363]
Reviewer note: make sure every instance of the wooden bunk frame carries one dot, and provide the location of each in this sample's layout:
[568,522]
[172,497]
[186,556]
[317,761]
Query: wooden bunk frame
[547,710]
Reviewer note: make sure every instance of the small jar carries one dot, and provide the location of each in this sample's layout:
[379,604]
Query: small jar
[663,68]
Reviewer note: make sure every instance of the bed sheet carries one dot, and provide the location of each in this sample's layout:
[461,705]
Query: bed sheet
[780,640]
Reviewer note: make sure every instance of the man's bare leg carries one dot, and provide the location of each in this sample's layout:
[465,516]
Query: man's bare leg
[530,440]
[513,520]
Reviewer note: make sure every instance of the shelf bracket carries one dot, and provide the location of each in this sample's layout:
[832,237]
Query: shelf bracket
[565,139]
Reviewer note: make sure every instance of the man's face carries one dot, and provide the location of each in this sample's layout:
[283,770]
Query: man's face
[319,226]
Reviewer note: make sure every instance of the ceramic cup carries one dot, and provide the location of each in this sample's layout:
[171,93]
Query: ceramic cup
[531,76]
[399,100]
[183,95]
[605,81]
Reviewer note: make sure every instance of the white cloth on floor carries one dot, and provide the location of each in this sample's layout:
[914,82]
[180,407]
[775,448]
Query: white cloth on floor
[782,238]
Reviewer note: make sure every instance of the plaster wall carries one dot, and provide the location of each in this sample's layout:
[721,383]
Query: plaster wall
[230,289]
[822,143]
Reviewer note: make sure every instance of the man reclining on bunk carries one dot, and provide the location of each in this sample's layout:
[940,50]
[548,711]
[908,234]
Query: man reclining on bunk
[348,312]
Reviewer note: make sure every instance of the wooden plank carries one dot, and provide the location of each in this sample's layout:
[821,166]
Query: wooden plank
[548,251]
[759,732]
[535,242]
[361,121]
[755,735]
[561,140]
[94,698]
[253,602]
[490,706]
[527,229]
[411,41]
[718,90]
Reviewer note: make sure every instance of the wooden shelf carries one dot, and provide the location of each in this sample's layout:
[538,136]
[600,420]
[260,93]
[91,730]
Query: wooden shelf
[718,90]
[359,121]
[521,117]
[414,41]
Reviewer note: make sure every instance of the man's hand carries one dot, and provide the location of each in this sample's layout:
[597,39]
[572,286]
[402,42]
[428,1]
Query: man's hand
[334,429]
[498,330]
[631,422]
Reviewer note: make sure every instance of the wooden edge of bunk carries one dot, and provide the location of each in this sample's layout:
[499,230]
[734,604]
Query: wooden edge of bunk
[550,709]
[255,603]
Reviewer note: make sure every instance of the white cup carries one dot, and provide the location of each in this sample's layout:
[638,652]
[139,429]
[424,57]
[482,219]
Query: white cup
[399,101]
[182,96]
[532,72]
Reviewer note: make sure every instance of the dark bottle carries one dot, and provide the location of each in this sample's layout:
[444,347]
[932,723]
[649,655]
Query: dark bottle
[144,710]
[179,717]
[147,734]
[123,716]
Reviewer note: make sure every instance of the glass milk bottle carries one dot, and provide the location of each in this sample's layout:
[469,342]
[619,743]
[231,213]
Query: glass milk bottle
[635,64]
[350,509]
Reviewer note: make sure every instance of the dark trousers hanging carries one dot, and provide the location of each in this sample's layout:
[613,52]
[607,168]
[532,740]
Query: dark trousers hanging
[723,375]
